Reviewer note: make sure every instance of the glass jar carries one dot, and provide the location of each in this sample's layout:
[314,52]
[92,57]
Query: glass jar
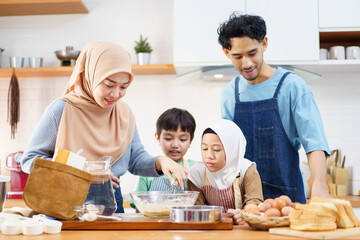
[101,190]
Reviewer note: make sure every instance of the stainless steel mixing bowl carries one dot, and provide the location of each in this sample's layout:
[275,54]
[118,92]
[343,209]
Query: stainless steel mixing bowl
[198,214]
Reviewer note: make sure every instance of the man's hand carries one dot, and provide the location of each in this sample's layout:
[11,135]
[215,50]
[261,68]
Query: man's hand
[317,165]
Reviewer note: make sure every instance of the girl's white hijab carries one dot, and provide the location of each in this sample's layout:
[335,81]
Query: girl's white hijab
[234,144]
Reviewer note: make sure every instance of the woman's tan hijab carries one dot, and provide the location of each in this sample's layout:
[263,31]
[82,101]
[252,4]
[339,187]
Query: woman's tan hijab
[86,125]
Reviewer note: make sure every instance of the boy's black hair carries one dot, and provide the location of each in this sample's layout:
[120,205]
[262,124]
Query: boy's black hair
[172,118]
[251,26]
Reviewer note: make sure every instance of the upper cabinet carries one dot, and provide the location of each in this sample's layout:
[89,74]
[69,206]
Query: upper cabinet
[195,30]
[43,7]
[344,14]
[292,29]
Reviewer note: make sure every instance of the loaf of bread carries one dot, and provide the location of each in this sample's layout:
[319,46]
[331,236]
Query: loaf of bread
[313,217]
[323,214]
[346,217]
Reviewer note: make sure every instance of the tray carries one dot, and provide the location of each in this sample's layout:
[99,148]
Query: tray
[337,233]
[140,222]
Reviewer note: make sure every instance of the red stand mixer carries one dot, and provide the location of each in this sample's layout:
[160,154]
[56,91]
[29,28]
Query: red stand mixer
[17,177]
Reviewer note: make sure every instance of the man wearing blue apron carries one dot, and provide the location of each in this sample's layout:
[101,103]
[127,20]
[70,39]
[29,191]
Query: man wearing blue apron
[276,111]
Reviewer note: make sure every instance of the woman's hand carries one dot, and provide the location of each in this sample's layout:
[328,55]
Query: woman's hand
[169,167]
[235,214]
[115,181]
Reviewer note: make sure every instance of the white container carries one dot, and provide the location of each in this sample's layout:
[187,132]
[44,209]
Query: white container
[353,52]
[11,227]
[324,54]
[337,53]
[52,226]
[32,227]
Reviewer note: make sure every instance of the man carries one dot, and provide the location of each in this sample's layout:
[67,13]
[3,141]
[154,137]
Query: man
[276,111]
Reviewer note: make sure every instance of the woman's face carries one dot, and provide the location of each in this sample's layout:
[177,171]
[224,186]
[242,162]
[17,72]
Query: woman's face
[109,91]
[213,152]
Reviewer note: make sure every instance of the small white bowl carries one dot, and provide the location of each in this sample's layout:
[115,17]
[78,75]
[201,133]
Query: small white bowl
[52,226]
[32,227]
[11,227]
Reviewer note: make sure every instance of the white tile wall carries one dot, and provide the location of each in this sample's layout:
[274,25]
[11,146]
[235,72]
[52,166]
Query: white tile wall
[337,95]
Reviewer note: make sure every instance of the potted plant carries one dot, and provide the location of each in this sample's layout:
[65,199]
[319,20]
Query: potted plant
[143,50]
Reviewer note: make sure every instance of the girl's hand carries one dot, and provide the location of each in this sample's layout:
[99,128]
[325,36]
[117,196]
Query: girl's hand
[115,181]
[169,167]
[235,214]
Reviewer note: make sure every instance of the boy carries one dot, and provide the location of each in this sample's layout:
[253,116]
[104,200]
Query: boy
[174,133]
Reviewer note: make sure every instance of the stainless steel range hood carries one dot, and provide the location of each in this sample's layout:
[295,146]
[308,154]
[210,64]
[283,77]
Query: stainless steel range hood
[228,72]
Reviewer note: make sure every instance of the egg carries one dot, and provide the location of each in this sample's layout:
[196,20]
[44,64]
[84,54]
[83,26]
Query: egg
[254,211]
[265,206]
[272,212]
[279,203]
[286,199]
[269,200]
[250,206]
[286,210]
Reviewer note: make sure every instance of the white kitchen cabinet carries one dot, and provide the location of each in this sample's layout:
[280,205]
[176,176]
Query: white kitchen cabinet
[195,30]
[342,14]
[292,29]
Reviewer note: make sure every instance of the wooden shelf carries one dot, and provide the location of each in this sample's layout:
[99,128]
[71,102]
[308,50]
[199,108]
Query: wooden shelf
[152,69]
[343,38]
[41,7]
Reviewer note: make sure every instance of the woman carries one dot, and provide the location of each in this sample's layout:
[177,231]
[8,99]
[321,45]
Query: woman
[91,116]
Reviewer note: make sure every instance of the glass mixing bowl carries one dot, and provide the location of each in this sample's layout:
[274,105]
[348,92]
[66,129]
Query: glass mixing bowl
[157,204]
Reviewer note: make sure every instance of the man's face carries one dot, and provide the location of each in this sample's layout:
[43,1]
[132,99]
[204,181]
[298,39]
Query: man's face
[246,55]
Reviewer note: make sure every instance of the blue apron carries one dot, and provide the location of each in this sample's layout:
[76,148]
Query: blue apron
[276,159]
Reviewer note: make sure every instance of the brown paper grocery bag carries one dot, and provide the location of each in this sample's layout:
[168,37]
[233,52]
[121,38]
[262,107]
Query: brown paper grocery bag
[54,188]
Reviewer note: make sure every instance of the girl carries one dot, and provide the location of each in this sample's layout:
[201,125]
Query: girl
[91,116]
[225,178]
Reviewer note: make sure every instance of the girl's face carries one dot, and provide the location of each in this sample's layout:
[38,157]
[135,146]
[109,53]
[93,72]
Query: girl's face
[111,89]
[213,152]
[174,144]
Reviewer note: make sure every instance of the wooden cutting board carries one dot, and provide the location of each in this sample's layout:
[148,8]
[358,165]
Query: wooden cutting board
[337,233]
[140,222]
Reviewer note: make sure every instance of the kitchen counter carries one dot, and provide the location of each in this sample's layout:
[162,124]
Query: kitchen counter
[238,232]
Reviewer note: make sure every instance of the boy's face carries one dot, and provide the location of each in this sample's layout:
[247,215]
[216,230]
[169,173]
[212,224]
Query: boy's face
[213,152]
[174,144]
[246,55]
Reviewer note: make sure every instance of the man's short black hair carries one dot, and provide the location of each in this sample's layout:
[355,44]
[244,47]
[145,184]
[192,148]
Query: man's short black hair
[251,26]
[172,118]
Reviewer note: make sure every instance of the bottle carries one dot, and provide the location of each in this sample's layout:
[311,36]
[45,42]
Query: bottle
[101,191]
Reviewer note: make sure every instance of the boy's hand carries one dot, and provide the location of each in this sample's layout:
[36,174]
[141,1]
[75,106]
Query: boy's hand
[235,214]
[115,180]
[169,167]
